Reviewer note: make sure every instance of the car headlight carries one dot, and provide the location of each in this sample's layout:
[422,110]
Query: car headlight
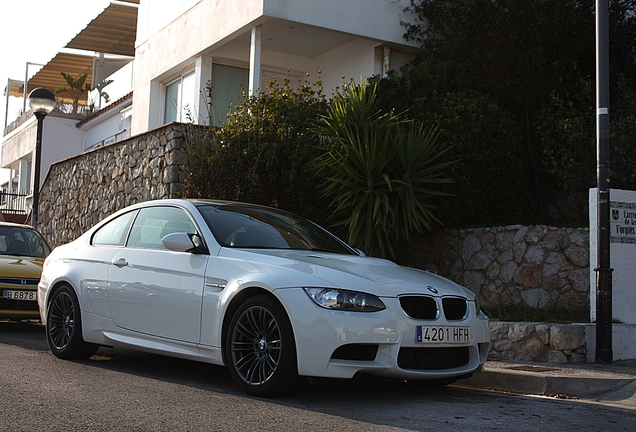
[339,299]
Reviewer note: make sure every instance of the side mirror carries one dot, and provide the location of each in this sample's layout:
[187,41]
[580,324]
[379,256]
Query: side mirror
[183,242]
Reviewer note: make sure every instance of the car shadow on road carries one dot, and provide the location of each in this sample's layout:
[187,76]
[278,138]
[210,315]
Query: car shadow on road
[216,378]
[377,402]
[25,334]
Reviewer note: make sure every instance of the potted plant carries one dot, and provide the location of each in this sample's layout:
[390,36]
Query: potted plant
[76,88]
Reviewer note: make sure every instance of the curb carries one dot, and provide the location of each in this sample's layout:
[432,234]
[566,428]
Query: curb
[546,381]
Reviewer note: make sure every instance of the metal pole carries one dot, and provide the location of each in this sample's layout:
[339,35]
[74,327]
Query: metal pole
[36,167]
[26,84]
[6,108]
[603,271]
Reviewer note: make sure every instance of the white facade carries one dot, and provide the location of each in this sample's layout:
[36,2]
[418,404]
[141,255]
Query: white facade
[62,140]
[182,46]
[330,40]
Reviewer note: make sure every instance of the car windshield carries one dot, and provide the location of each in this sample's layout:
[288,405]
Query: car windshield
[15,240]
[241,226]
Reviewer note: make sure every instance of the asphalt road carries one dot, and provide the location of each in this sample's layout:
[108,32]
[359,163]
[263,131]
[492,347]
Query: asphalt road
[118,390]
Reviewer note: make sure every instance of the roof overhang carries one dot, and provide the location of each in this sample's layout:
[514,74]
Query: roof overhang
[50,76]
[112,32]
[15,88]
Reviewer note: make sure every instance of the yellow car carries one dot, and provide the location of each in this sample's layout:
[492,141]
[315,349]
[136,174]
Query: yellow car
[22,254]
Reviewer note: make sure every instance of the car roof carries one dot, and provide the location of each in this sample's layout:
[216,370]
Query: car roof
[15,225]
[198,201]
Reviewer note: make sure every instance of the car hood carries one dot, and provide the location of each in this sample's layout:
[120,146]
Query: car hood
[373,275]
[20,266]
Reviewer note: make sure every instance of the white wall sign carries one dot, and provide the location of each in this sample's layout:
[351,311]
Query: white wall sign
[622,254]
[622,222]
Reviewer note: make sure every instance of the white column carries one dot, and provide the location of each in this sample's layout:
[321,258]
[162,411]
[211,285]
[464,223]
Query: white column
[386,60]
[202,76]
[255,60]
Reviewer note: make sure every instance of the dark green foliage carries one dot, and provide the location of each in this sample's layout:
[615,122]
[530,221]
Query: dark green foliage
[567,130]
[380,173]
[623,134]
[516,51]
[488,185]
[533,59]
[567,133]
[260,156]
[481,136]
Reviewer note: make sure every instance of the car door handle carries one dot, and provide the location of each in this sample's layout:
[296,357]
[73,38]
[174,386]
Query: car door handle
[121,262]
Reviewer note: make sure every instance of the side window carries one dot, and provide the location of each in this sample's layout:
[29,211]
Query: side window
[114,232]
[38,246]
[154,223]
[180,99]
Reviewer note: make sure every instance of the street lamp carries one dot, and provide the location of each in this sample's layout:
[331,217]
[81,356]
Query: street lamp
[41,102]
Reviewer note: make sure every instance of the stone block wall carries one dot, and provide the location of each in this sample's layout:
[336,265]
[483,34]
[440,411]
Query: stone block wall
[80,191]
[537,342]
[537,266]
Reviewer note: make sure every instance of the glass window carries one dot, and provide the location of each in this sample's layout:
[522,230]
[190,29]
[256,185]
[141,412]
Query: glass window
[154,223]
[114,232]
[27,173]
[228,84]
[180,97]
[22,242]
[242,226]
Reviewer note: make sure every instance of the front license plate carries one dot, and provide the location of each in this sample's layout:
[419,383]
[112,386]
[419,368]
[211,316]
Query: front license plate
[20,295]
[442,334]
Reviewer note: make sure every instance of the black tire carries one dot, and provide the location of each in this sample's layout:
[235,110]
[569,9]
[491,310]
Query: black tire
[260,350]
[64,326]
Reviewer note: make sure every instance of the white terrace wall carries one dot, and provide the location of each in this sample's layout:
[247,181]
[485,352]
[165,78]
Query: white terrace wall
[537,266]
[80,191]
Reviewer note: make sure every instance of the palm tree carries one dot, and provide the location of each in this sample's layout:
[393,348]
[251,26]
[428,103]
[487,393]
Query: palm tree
[76,88]
[381,171]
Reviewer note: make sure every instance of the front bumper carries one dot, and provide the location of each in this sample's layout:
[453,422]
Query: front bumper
[18,309]
[338,344]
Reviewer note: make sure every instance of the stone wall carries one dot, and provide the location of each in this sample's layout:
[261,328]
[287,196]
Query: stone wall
[80,191]
[538,342]
[537,266]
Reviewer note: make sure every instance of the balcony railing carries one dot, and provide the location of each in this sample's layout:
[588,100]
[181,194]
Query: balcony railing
[61,107]
[12,203]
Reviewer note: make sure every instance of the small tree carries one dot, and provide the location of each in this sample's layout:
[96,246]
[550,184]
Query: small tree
[76,88]
[380,172]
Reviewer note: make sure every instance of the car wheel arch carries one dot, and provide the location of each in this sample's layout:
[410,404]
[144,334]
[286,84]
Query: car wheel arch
[235,303]
[54,288]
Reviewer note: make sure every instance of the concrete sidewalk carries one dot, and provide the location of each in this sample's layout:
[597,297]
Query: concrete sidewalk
[613,383]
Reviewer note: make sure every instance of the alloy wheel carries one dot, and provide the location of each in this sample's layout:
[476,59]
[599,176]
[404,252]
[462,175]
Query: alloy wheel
[61,320]
[256,345]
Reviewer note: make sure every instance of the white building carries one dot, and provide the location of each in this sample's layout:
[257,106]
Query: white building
[160,55]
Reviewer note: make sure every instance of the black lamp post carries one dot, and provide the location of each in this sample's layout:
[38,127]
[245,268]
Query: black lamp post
[42,102]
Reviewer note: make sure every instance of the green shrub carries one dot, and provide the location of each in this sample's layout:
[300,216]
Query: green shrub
[476,131]
[488,176]
[260,155]
[380,173]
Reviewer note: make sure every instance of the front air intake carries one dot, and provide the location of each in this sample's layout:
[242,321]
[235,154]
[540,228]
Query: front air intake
[433,358]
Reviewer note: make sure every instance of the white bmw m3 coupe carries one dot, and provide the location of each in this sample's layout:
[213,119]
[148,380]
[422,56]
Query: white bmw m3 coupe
[269,294]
